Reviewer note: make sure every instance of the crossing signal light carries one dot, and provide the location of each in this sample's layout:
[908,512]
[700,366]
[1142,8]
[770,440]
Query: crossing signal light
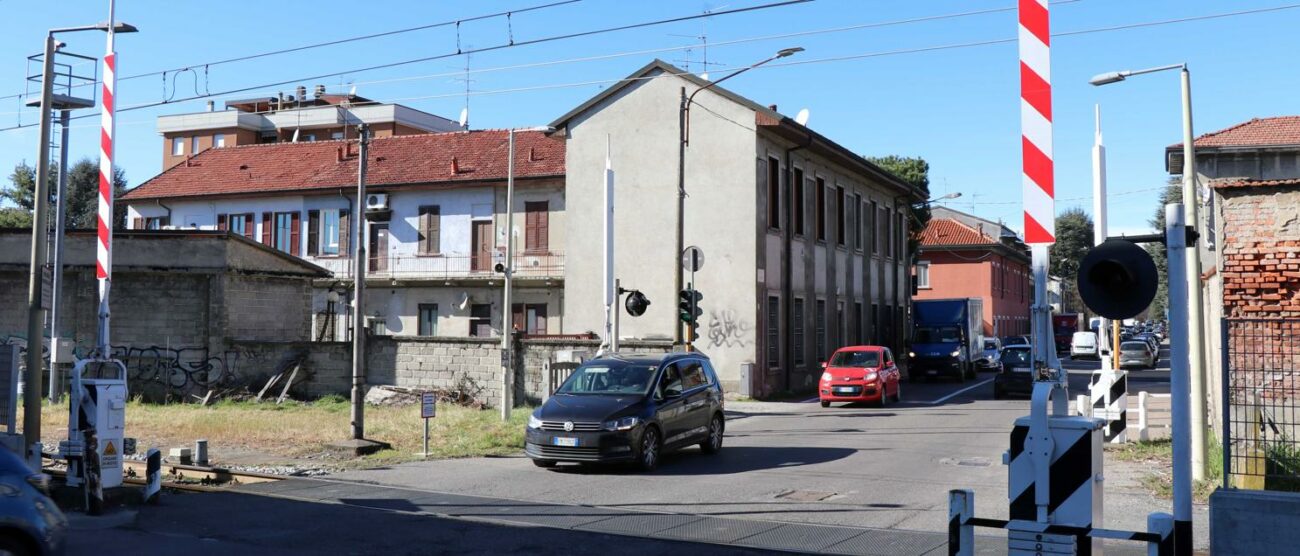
[688,306]
[1117,279]
[636,303]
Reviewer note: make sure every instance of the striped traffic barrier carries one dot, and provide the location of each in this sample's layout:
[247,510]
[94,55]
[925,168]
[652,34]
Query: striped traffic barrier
[1108,392]
[1033,537]
[1073,476]
[153,476]
[1037,183]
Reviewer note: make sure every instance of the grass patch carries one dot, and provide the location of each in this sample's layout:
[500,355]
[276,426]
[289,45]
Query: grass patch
[1157,456]
[299,429]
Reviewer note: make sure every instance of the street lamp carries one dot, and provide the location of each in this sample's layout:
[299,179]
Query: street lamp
[508,270]
[1196,362]
[953,195]
[684,126]
[40,251]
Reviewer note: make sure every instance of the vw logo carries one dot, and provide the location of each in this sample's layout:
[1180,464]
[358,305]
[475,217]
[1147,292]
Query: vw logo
[568,426]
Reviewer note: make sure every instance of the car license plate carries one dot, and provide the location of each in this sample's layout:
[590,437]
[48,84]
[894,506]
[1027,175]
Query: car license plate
[932,372]
[842,390]
[564,441]
[1020,369]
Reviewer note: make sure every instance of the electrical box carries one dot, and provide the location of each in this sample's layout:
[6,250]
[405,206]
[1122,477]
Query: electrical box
[1074,473]
[99,396]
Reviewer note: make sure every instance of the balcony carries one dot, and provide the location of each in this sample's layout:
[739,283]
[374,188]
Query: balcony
[541,266]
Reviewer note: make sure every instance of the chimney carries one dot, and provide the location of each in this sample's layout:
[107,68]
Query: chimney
[210,106]
[532,154]
[772,107]
[455,166]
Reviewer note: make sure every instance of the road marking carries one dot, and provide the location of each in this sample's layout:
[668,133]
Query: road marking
[811,400]
[962,391]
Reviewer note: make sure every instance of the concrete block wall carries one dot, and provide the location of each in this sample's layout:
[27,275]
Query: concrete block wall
[266,308]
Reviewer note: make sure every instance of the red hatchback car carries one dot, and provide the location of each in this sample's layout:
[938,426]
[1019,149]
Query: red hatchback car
[860,374]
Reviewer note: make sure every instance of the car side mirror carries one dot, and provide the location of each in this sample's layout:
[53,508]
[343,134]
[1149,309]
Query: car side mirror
[823,364]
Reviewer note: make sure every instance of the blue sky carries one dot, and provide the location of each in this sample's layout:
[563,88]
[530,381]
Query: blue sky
[957,108]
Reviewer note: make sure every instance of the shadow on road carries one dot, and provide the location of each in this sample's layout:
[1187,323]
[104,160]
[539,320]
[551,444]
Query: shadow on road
[732,459]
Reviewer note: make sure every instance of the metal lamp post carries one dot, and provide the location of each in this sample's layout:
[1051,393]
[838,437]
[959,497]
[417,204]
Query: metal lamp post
[508,270]
[40,251]
[684,127]
[1194,294]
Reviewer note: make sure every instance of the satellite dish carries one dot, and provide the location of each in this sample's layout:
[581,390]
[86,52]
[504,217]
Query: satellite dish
[464,116]
[353,91]
[802,117]
[464,300]
[704,76]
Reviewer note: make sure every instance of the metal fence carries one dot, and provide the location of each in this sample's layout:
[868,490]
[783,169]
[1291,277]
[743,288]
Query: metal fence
[1261,403]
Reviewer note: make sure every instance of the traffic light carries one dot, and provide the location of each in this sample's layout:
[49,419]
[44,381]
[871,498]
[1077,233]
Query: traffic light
[688,306]
[636,303]
[1117,279]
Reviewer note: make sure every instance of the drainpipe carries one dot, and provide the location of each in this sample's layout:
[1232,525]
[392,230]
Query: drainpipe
[787,265]
[167,208]
[351,217]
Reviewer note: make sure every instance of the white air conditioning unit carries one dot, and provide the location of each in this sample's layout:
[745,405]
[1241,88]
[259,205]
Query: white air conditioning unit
[377,201]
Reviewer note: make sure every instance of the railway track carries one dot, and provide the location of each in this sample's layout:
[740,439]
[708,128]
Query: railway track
[186,477]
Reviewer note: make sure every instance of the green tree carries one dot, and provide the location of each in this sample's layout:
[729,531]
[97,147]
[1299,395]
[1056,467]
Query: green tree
[916,172]
[1173,193]
[83,195]
[1074,238]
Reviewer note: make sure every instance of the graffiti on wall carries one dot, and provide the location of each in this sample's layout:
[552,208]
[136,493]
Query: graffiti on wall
[728,331]
[179,369]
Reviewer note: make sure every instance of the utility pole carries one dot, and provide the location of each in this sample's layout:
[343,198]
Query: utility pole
[359,291]
[60,211]
[681,209]
[507,330]
[1099,225]
[1195,297]
[35,313]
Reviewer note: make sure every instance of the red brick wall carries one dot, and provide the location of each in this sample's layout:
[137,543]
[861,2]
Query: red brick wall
[1260,257]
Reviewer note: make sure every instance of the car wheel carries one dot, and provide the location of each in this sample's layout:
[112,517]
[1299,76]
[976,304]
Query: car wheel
[898,391]
[543,463]
[16,545]
[884,397]
[998,394]
[713,442]
[826,404]
[647,458]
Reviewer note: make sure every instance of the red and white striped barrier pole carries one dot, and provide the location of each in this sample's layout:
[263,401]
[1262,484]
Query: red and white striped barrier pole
[104,254]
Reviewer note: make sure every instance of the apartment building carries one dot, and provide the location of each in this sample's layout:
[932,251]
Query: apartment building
[436,213]
[804,240]
[289,118]
[962,255]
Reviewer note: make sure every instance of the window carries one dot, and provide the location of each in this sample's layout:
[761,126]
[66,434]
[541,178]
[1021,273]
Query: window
[336,135]
[480,319]
[773,193]
[378,326]
[821,210]
[923,274]
[875,323]
[798,201]
[798,331]
[178,146]
[284,236]
[536,226]
[155,222]
[693,374]
[819,329]
[773,333]
[840,324]
[900,233]
[882,232]
[430,229]
[324,232]
[428,319]
[871,224]
[241,224]
[856,221]
[194,145]
[529,318]
[310,137]
[860,336]
[840,216]
[219,140]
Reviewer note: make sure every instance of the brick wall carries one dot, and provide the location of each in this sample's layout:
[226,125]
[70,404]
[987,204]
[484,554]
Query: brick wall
[266,308]
[1260,255]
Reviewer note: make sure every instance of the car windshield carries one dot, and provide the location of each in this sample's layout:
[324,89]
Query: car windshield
[1013,341]
[1015,357]
[1133,346]
[938,335]
[609,377]
[990,344]
[855,359]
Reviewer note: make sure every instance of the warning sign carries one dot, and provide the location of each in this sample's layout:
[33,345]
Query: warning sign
[110,450]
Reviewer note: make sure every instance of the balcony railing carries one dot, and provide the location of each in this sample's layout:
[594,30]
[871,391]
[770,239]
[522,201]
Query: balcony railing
[457,266]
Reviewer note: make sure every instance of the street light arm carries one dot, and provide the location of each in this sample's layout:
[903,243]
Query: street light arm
[686,103]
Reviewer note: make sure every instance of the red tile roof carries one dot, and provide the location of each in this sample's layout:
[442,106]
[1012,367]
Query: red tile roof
[944,231]
[1233,183]
[1258,132]
[274,168]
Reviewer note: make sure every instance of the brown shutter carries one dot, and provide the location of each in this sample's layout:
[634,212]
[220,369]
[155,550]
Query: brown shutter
[540,326]
[434,233]
[422,232]
[250,225]
[221,222]
[345,233]
[266,228]
[536,226]
[295,233]
[137,223]
[530,228]
[517,317]
[543,227]
[313,232]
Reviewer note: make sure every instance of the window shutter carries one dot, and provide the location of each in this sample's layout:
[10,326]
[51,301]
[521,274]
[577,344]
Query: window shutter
[540,326]
[313,232]
[295,233]
[422,233]
[434,235]
[250,226]
[221,222]
[345,233]
[543,227]
[530,230]
[535,226]
[137,223]
[266,228]
[517,317]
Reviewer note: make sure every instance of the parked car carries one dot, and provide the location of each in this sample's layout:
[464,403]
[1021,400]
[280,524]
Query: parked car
[1084,344]
[989,359]
[30,523]
[1017,374]
[1136,353]
[629,408]
[1150,339]
[860,374]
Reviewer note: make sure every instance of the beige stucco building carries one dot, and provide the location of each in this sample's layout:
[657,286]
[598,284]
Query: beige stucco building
[804,241]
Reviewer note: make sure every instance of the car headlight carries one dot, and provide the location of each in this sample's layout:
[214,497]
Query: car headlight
[956,353]
[624,424]
[534,422]
[911,354]
[826,376]
[870,376]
